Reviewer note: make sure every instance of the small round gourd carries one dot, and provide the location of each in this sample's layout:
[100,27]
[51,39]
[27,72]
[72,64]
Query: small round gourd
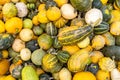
[25,54]
[37,30]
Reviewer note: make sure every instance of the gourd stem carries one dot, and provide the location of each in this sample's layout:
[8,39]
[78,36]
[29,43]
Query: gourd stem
[79,15]
[10,59]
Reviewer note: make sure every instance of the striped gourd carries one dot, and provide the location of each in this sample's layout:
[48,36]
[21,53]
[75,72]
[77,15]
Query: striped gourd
[73,34]
[102,28]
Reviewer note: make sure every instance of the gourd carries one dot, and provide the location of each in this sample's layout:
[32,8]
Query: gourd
[106,64]
[63,56]
[44,76]
[68,12]
[51,29]
[112,51]
[32,45]
[29,73]
[37,30]
[56,43]
[97,4]
[65,74]
[2,27]
[61,2]
[12,53]
[50,63]
[18,45]
[22,9]
[27,23]
[80,58]
[68,35]
[6,41]
[101,28]
[115,74]
[37,56]
[81,5]
[93,17]
[117,40]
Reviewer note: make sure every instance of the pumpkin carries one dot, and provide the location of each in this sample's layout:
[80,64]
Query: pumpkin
[60,22]
[6,41]
[45,41]
[2,27]
[4,1]
[29,73]
[98,42]
[18,45]
[27,23]
[81,5]
[103,75]
[31,6]
[42,16]
[50,63]
[63,56]
[97,4]
[53,11]
[109,39]
[44,76]
[9,10]
[106,64]
[80,58]
[22,9]
[67,35]
[93,17]
[114,28]
[32,45]
[56,43]
[51,29]
[96,56]
[68,12]
[26,34]
[84,75]
[65,74]
[4,66]
[71,49]
[13,25]
[61,2]
[93,68]
[37,56]
[101,28]
[112,51]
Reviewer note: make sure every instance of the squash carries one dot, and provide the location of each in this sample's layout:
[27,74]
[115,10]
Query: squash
[93,17]
[44,76]
[39,71]
[63,56]
[22,9]
[12,53]
[106,64]
[117,40]
[41,6]
[49,4]
[56,76]
[93,68]
[5,53]
[29,73]
[35,20]
[4,1]
[97,4]
[4,66]
[51,29]
[78,61]
[98,42]
[109,39]
[31,14]
[68,12]
[112,51]
[115,74]
[116,4]
[18,45]
[14,25]
[68,35]
[45,41]
[25,54]
[103,75]
[104,1]
[27,23]
[26,34]
[53,11]
[61,2]
[84,75]
[9,10]
[101,28]
[106,13]
[37,30]
[32,45]
[65,74]
[60,22]
[31,1]
[9,77]
[31,6]
[96,56]
[50,63]
[114,28]
[56,43]
[37,56]
[15,1]
[81,5]
[2,27]
[6,41]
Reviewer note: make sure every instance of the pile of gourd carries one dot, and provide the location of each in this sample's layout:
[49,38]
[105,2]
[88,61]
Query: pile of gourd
[59,39]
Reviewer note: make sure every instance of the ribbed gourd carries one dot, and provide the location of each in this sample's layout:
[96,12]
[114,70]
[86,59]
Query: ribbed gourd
[73,34]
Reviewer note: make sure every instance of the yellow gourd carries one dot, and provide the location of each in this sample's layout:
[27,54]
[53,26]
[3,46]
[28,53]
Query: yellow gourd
[61,2]
[104,1]
[2,26]
[35,20]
